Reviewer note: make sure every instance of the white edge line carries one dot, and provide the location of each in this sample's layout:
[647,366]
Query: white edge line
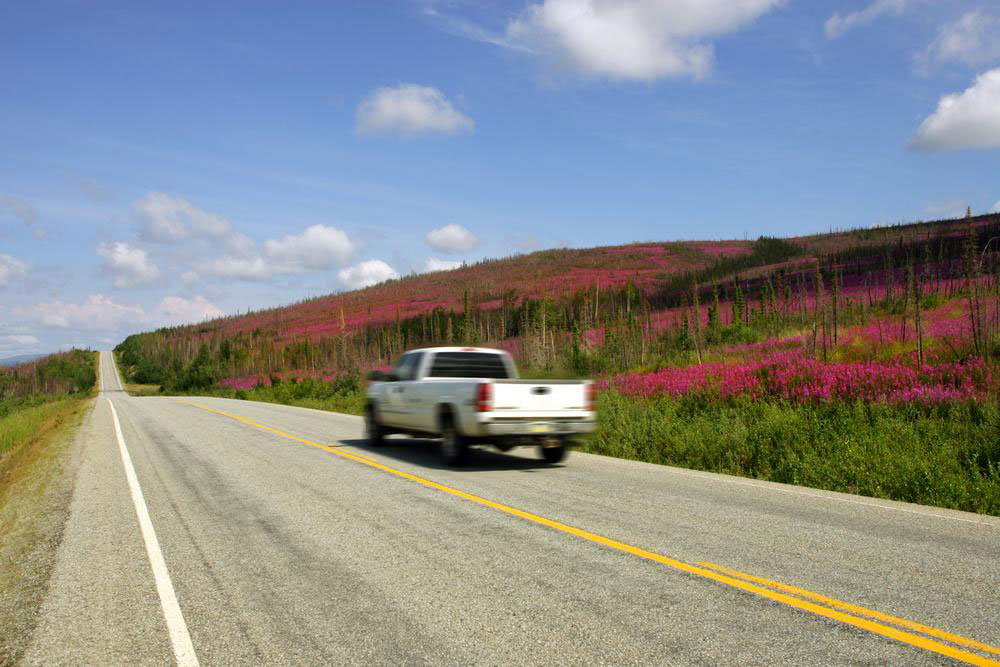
[179,637]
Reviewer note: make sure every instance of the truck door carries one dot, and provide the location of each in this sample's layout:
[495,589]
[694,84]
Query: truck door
[421,396]
[407,390]
[393,408]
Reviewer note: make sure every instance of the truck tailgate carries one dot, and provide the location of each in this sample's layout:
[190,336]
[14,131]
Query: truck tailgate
[526,395]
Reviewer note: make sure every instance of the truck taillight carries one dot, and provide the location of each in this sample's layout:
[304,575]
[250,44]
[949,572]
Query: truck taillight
[484,396]
[591,396]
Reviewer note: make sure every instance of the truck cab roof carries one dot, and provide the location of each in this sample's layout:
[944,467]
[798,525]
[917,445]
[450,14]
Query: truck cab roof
[485,350]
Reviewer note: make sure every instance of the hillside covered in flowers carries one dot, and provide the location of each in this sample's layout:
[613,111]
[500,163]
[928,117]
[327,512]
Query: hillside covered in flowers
[926,291]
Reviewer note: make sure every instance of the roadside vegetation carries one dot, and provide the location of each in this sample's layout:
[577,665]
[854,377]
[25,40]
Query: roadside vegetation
[862,361]
[41,403]
[946,454]
[344,393]
[32,394]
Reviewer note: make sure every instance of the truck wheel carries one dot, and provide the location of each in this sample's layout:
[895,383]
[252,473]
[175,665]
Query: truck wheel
[373,430]
[454,448]
[553,454]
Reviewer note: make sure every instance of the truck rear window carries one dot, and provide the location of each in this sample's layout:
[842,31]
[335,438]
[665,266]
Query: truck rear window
[468,365]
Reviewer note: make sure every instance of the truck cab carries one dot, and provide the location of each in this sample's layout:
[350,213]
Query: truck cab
[472,396]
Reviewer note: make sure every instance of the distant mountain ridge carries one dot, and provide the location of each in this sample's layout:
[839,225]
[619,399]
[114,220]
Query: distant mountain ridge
[19,359]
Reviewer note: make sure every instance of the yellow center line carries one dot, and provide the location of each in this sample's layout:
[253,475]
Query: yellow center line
[782,598]
[248,422]
[846,606]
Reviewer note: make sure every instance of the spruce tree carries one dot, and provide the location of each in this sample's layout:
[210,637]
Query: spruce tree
[696,311]
[466,320]
[712,331]
[739,305]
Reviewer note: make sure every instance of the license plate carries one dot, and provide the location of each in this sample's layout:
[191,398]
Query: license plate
[541,428]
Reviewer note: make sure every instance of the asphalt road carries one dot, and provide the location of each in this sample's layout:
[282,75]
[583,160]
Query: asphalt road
[297,543]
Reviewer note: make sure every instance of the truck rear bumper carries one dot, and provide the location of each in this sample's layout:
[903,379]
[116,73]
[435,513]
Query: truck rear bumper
[537,428]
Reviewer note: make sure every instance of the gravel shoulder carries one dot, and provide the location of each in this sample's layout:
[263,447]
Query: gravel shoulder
[36,489]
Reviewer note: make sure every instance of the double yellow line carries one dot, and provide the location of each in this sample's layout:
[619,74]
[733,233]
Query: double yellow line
[859,617]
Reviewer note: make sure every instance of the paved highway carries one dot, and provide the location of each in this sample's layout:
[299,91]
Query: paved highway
[256,533]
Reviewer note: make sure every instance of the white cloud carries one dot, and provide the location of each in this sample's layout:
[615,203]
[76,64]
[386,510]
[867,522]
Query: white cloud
[12,269]
[410,110]
[167,219]
[317,248]
[175,310]
[102,313]
[996,208]
[198,235]
[639,40]
[970,119]
[130,266]
[17,344]
[839,23]
[21,339]
[244,268]
[52,318]
[451,239]
[370,272]
[97,312]
[435,264]
[39,233]
[20,208]
[973,39]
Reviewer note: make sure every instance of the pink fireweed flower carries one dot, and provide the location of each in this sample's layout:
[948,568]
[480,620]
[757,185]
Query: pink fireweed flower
[794,377]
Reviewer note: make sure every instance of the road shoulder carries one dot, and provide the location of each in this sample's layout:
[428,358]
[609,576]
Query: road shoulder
[101,606]
[35,496]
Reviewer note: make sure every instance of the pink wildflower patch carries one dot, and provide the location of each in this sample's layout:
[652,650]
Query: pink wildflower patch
[794,377]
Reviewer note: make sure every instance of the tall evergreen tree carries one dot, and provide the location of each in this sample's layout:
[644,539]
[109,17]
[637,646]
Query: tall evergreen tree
[739,304]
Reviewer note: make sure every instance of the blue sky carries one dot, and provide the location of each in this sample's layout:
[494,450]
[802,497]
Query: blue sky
[166,162]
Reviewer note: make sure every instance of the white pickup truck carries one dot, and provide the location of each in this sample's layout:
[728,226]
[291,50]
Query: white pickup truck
[471,395]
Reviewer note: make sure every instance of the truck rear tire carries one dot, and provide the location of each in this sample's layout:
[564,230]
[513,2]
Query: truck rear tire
[373,430]
[454,448]
[553,454]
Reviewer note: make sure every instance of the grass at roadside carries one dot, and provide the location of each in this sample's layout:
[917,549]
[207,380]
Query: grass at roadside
[142,389]
[36,484]
[349,402]
[947,456]
[344,394]
[21,424]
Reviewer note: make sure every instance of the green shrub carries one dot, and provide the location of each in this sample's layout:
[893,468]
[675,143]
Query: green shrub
[947,456]
[738,333]
[199,374]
